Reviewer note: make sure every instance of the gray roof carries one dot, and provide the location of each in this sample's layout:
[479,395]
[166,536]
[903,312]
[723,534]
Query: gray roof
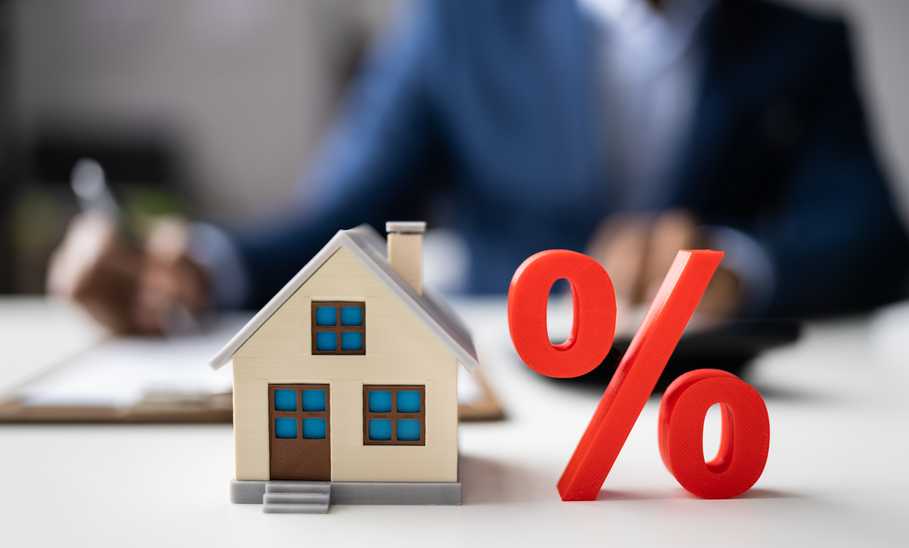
[365,243]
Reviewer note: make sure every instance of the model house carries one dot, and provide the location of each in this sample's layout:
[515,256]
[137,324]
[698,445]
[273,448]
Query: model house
[345,383]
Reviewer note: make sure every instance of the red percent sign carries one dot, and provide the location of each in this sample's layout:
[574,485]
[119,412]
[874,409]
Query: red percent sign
[745,432]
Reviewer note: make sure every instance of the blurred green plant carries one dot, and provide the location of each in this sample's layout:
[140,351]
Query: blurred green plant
[41,214]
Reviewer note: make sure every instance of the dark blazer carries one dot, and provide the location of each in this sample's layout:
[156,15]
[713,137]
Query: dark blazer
[494,104]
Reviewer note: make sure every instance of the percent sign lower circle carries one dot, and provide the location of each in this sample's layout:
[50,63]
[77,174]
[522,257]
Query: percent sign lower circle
[745,433]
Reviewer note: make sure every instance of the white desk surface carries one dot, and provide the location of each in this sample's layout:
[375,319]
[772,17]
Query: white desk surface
[836,474]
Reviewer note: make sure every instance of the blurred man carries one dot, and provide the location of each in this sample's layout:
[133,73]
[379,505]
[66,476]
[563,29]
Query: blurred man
[626,128]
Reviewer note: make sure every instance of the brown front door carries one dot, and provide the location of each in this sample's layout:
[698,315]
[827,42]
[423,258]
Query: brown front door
[299,432]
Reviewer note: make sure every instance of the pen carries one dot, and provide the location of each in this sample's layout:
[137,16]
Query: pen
[89,183]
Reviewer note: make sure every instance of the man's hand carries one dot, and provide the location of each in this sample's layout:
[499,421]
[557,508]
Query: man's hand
[638,251]
[154,290]
[173,289]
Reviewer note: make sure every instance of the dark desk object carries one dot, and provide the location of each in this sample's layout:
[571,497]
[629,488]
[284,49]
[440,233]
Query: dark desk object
[730,347]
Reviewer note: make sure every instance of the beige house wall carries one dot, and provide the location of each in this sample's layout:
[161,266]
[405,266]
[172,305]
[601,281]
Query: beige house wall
[400,349]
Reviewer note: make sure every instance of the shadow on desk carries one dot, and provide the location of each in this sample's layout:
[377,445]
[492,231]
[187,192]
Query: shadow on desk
[492,481]
[679,493]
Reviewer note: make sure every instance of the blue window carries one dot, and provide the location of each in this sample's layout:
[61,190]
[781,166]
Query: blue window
[351,315]
[379,401]
[314,429]
[408,430]
[394,415]
[351,340]
[285,428]
[313,400]
[285,400]
[408,401]
[380,429]
[326,315]
[326,341]
[338,327]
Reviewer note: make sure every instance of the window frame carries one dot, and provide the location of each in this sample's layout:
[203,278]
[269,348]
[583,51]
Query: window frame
[337,328]
[394,415]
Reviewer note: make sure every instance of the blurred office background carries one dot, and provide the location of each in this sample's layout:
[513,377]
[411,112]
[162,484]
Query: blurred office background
[212,107]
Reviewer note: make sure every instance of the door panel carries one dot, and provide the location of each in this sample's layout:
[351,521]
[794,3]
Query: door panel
[299,432]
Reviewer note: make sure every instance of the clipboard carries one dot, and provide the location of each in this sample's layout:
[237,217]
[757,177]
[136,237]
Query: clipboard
[166,408]
[139,380]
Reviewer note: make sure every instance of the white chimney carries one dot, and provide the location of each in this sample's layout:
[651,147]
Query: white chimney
[405,250]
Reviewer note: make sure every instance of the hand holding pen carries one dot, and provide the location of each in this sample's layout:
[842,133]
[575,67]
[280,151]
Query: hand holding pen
[130,285]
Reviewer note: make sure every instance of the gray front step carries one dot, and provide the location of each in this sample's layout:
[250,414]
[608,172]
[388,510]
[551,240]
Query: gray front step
[297,487]
[295,508]
[294,497]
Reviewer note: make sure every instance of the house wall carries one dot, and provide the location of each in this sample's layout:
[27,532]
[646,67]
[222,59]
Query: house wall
[400,349]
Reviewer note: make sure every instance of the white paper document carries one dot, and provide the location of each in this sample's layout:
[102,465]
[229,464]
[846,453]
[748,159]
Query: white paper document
[123,372]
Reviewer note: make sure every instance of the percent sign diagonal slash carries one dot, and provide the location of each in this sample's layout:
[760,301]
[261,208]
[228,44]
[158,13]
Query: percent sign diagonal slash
[638,373]
[745,440]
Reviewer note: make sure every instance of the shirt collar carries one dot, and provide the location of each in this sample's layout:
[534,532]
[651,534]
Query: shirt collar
[638,19]
[652,37]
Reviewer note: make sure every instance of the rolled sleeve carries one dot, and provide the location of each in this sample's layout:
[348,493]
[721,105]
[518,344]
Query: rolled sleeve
[747,259]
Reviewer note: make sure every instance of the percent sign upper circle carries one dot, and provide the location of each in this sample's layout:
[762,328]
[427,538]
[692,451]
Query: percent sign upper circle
[593,307]
[745,435]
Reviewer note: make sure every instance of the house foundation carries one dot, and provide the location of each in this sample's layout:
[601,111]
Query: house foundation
[354,492]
